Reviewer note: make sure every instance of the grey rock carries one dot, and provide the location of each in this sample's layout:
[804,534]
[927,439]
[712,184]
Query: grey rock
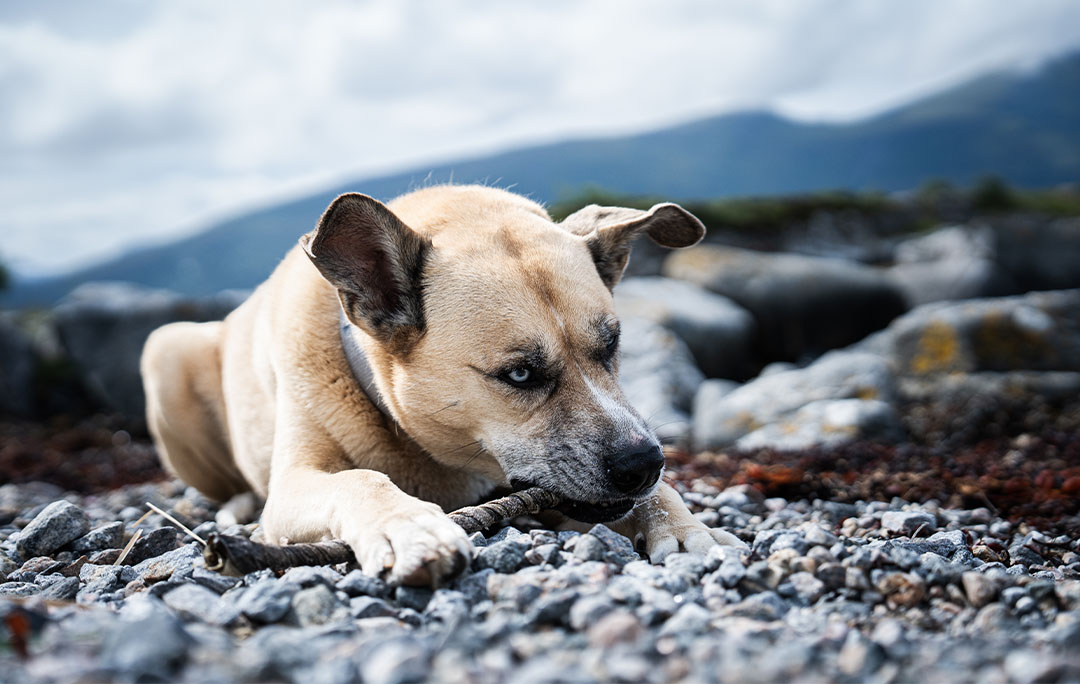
[859,656]
[267,601]
[191,601]
[395,661]
[310,575]
[364,607]
[103,327]
[766,605]
[554,607]
[356,583]
[719,333]
[828,423]
[317,605]
[16,589]
[474,586]
[503,556]
[807,587]
[777,398]
[163,566]
[617,548]
[64,589]
[689,619]
[153,646]
[951,263]
[448,606]
[213,581]
[803,305]
[588,610]
[7,566]
[1038,331]
[153,544]
[413,597]
[18,367]
[908,522]
[1019,553]
[57,524]
[979,589]
[659,377]
[107,536]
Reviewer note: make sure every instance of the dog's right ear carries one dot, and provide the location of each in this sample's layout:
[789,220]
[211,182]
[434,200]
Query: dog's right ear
[376,263]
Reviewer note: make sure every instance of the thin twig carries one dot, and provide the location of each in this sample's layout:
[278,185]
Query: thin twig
[237,556]
[127,547]
[177,523]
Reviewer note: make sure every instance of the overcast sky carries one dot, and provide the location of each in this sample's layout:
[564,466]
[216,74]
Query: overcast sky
[126,122]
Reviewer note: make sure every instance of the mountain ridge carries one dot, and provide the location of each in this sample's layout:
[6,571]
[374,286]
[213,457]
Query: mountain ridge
[1022,128]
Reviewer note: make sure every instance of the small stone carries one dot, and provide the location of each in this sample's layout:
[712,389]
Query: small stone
[618,626]
[310,575]
[413,597]
[544,553]
[764,606]
[901,589]
[191,601]
[161,567]
[908,522]
[57,524]
[317,605]
[396,660]
[364,607]
[19,589]
[214,581]
[503,556]
[7,566]
[356,583]
[151,545]
[833,575]
[979,589]
[589,548]
[807,587]
[617,548]
[150,648]
[859,656]
[474,585]
[689,619]
[267,601]
[1021,554]
[108,536]
[588,610]
[65,589]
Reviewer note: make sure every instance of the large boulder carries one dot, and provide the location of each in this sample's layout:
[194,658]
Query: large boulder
[719,333]
[776,400]
[955,262]
[1039,254]
[803,305]
[18,365]
[658,375]
[1037,331]
[104,325]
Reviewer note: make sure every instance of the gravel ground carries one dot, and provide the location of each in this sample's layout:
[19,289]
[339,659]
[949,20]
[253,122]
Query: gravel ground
[879,591]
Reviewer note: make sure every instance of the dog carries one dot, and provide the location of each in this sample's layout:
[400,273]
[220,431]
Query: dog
[407,359]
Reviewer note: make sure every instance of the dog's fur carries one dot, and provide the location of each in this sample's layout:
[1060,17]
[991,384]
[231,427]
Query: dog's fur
[449,289]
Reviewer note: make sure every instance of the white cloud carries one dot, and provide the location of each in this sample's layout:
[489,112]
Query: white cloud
[138,120]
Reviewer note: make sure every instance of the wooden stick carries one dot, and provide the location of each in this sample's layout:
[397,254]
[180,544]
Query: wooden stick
[237,556]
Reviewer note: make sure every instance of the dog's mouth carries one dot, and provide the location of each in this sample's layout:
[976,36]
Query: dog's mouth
[586,512]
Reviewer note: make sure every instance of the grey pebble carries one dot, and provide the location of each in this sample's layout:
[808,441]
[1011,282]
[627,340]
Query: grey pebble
[57,524]
[267,601]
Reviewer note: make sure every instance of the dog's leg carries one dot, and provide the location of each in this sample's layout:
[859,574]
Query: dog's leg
[667,526]
[393,534]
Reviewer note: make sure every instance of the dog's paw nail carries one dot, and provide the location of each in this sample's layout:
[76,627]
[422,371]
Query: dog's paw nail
[699,542]
[662,548]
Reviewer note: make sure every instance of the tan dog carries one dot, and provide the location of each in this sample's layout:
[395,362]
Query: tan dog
[490,335]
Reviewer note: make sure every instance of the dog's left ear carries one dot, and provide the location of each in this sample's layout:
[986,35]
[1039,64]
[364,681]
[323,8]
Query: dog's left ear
[376,262]
[609,232]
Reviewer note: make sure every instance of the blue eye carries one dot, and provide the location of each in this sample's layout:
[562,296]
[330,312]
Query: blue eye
[519,375]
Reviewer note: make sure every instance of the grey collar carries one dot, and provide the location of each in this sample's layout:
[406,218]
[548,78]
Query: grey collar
[361,369]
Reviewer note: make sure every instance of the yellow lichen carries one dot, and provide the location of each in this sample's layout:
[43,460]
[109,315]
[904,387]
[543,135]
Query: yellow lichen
[938,349]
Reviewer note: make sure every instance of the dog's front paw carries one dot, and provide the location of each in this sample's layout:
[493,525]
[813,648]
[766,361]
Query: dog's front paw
[666,526]
[664,538]
[417,546]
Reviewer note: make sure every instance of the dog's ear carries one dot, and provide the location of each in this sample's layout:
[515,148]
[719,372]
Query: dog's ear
[609,232]
[376,263]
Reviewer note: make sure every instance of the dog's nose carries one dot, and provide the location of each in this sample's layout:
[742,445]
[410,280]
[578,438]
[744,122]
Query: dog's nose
[635,471]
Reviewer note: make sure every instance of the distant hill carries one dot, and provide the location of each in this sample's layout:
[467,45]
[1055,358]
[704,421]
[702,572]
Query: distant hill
[1022,128]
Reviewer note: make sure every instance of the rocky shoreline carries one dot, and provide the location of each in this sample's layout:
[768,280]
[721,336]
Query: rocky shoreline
[881,591]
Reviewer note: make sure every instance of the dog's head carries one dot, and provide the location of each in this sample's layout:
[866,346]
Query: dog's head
[493,334]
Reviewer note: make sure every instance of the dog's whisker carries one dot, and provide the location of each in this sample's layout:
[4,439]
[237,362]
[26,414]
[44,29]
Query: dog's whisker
[450,405]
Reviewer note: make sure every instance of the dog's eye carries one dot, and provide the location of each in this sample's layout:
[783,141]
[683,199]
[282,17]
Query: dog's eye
[522,377]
